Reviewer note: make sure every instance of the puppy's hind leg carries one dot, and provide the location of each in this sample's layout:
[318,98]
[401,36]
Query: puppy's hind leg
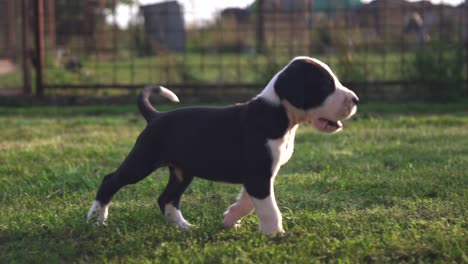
[100,206]
[242,207]
[137,166]
[169,200]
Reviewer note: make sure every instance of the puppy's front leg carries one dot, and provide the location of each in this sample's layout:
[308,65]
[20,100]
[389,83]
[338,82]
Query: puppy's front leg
[242,207]
[269,214]
[262,194]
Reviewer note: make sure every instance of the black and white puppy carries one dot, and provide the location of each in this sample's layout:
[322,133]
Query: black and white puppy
[244,144]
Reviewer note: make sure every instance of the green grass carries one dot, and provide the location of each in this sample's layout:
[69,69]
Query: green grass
[392,187]
[216,68]
[11,80]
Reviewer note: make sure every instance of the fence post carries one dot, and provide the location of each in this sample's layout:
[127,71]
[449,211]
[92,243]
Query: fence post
[25,47]
[11,29]
[465,43]
[50,5]
[260,30]
[39,45]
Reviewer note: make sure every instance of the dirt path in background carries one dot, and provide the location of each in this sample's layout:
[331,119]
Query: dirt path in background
[10,92]
[7,67]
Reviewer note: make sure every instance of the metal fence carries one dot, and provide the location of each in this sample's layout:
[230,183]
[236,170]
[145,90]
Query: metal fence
[384,49]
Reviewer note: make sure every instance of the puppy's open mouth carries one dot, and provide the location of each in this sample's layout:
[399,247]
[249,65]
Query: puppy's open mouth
[327,126]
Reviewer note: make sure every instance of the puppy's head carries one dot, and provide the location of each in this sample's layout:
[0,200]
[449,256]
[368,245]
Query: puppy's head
[312,94]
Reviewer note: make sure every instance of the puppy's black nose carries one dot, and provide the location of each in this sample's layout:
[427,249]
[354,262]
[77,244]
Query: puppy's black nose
[355,101]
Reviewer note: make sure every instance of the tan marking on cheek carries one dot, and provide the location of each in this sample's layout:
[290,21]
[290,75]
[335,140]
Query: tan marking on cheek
[295,115]
[178,174]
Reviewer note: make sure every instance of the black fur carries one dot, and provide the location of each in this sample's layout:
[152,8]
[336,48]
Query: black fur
[227,144]
[144,105]
[305,84]
[222,144]
[174,189]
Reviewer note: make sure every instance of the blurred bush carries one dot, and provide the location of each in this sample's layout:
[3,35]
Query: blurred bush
[438,71]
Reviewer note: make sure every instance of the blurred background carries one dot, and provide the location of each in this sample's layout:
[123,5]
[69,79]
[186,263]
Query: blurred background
[205,51]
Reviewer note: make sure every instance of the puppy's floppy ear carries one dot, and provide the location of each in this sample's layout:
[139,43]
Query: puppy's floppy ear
[304,84]
[290,86]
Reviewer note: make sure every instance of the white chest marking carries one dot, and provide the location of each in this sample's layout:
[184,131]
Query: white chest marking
[282,149]
[267,210]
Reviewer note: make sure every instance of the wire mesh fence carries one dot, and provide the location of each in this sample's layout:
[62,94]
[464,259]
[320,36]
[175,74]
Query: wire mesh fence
[384,49]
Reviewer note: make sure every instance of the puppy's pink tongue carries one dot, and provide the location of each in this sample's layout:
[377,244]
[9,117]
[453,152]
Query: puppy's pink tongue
[328,125]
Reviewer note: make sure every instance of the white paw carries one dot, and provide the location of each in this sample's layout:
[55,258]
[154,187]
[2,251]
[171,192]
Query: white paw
[235,225]
[102,215]
[269,216]
[184,226]
[231,220]
[271,228]
[174,215]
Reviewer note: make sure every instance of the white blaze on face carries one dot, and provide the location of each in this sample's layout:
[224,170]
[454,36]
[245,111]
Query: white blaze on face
[326,118]
[338,106]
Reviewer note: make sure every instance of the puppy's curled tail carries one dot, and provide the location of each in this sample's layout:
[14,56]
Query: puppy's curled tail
[146,109]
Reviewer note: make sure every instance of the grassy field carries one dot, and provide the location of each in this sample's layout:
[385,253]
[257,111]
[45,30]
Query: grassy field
[391,187]
[209,68]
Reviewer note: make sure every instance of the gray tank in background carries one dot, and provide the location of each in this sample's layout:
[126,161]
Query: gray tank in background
[164,24]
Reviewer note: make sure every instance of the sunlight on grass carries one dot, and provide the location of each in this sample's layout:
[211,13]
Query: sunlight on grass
[390,188]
